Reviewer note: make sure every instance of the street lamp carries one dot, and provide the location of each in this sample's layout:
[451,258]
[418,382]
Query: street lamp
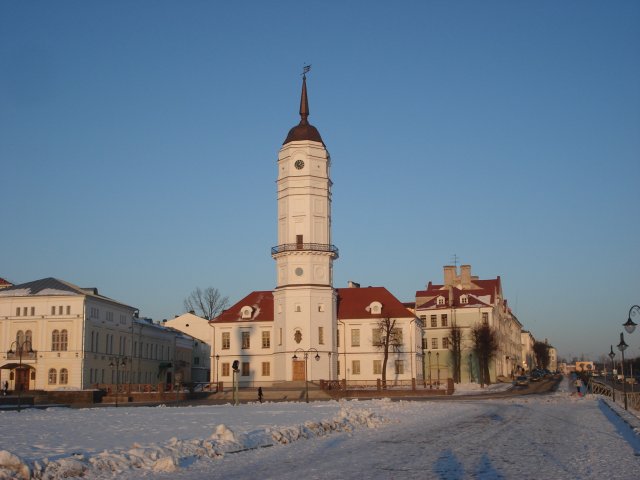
[622,347]
[429,355]
[630,325]
[306,377]
[470,369]
[217,375]
[438,366]
[117,362]
[613,382]
[20,349]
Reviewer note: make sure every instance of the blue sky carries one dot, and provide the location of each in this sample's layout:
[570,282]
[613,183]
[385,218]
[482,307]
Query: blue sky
[138,148]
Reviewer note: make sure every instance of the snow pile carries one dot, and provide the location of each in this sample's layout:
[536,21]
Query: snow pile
[175,452]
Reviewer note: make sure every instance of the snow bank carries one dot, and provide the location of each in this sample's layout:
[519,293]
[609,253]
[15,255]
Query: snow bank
[175,452]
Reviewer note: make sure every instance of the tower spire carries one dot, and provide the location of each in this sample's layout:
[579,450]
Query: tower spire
[304,100]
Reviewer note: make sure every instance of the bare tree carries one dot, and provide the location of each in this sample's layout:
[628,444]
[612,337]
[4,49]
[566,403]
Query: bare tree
[207,303]
[541,351]
[455,342]
[387,337]
[485,345]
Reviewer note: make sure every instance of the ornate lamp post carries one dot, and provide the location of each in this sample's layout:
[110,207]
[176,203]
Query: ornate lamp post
[630,325]
[622,346]
[613,383]
[217,375]
[20,349]
[116,363]
[306,376]
[429,355]
[438,366]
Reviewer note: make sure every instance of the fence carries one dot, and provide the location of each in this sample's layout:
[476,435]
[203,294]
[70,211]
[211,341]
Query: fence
[599,388]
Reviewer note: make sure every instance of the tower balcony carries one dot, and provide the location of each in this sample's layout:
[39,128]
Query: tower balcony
[304,247]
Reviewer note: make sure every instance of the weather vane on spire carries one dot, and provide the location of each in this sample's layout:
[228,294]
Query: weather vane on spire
[305,70]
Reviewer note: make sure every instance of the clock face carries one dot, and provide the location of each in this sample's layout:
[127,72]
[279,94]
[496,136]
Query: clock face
[299,164]
[299,271]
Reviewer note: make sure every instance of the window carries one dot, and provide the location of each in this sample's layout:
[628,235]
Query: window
[321,335]
[109,316]
[64,340]
[196,360]
[485,318]
[399,367]
[434,320]
[246,340]
[440,301]
[64,376]
[55,341]
[464,299]
[377,367]
[24,311]
[443,320]
[355,367]
[396,336]
[355,337]
[68,309]
[298,308]
[424,319]
[445,342]
[266,339]
[266,369]
[225,369]
[337,338]
[376,337]
[338,367]
[245,369]
[280,337]
[425,344]
[226,340]
[434,343]
[60,310]
[33,311]
[53,376]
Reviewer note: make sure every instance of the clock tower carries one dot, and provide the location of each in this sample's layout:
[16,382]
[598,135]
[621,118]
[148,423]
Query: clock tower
[305,310]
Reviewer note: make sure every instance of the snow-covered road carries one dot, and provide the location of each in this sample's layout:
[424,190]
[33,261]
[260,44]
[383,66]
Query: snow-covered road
[554,436]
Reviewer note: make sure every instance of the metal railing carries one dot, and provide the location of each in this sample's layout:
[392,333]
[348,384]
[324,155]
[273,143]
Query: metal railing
[301,247]
[598,388]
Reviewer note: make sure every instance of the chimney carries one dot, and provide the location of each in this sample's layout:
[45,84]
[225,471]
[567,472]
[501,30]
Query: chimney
[449,275]
[352,284]
[465,276]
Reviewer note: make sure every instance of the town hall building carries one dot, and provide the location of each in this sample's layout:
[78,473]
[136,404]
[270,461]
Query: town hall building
[306,328]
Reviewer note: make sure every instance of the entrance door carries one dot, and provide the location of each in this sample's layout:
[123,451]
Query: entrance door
[298,370]
[22,379]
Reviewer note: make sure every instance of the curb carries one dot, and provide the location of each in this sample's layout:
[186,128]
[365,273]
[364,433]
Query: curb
[628,418]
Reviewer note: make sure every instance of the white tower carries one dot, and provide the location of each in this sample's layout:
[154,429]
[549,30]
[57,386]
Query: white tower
[305,310]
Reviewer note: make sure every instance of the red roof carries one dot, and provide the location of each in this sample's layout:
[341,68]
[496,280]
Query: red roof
[5,283]
[485,287]
[353,303]
[260,301]
[472,300]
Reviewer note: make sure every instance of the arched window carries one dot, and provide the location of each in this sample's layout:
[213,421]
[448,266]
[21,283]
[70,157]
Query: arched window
[64,340]
[53,376]
[55,341]
[64,376]
[19,338]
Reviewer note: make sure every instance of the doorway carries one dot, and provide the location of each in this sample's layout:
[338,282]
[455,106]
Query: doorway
[298,370]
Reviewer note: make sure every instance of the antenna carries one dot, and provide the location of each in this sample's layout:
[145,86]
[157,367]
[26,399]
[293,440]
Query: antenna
[455,259]
[305,70]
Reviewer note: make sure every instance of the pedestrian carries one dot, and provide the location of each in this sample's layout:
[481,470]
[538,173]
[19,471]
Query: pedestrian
[5,388]
[578,384]
[260,396]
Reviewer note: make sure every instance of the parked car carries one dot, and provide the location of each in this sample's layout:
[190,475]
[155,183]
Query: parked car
[521,381]
[536,377]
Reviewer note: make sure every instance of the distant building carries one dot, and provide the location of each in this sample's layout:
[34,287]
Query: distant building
[467,301]
[528,356]
[55,335]
[198,328]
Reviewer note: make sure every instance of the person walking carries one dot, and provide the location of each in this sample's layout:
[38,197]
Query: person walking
[578,384]
[260,396]
[5,388]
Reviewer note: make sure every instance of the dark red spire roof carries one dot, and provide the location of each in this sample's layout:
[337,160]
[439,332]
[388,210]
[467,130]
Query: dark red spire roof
[304,130]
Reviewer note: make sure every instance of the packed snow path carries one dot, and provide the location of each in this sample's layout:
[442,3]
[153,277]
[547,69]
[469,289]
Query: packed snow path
[552,436]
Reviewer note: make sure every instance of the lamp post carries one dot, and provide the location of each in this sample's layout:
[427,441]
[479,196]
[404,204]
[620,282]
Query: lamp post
[438,366]
[470,369]
[630,325]
[117,362]
[613,382]
[217,374]
[429,355]
[306,377]
[622,346]
[20,348]
[235,367]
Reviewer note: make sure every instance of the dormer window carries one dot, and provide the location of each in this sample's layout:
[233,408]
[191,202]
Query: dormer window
[464,299]
[440,300]
[375,308]
[246,312]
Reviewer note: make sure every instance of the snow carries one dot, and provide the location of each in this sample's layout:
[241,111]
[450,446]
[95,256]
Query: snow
[556,436]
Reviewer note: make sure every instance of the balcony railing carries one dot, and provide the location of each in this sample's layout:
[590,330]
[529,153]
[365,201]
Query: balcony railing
[302,247]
